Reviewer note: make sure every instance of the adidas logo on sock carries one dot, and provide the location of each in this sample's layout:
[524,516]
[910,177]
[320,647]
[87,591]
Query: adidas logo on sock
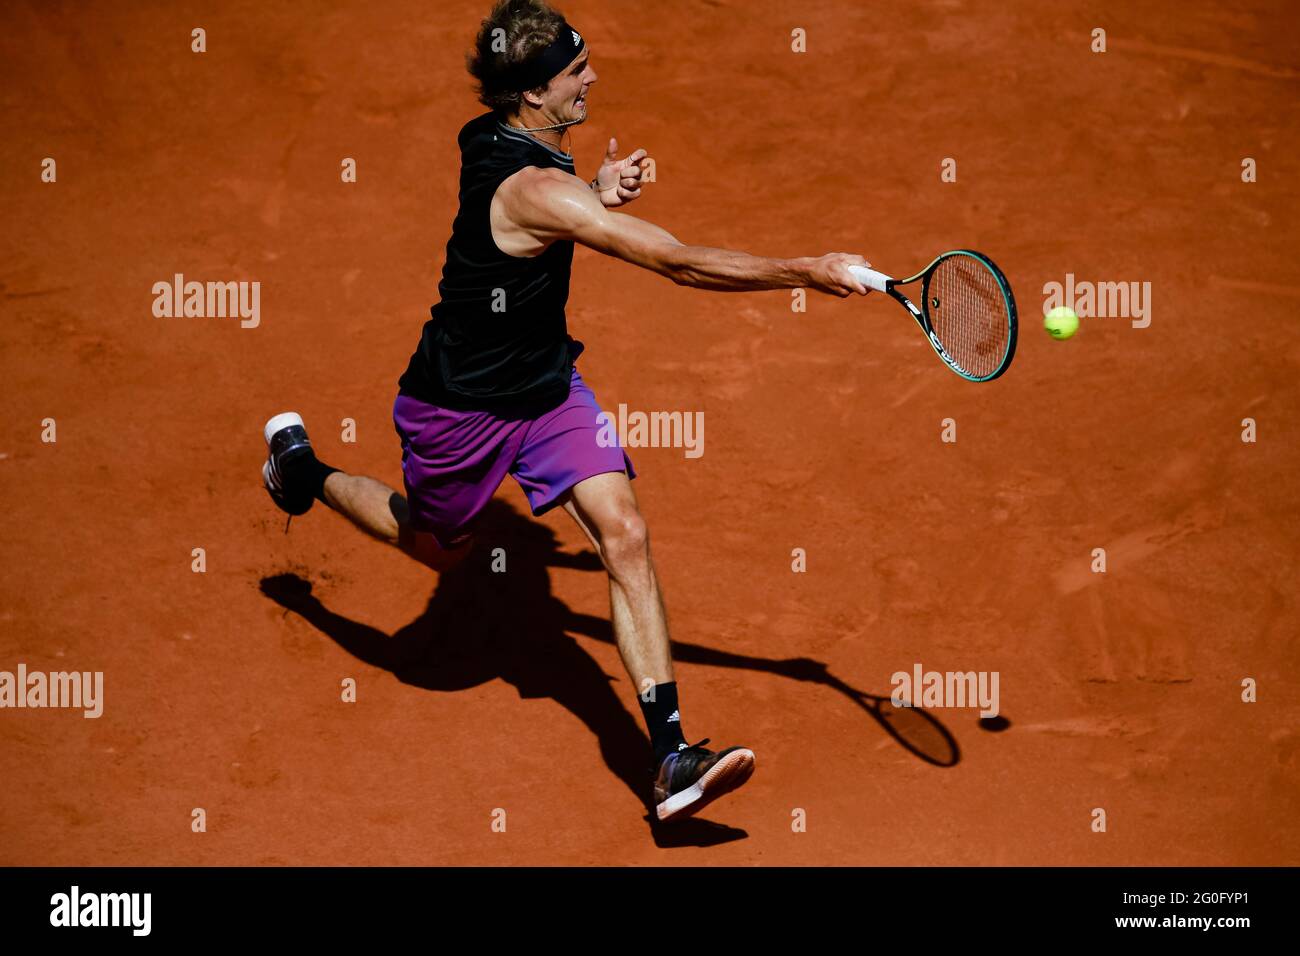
[674,718]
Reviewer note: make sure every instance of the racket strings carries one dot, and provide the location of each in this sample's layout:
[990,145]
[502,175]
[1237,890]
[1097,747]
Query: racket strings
[968,312]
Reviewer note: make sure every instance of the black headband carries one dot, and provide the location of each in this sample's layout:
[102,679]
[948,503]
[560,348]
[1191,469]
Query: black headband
[538,70]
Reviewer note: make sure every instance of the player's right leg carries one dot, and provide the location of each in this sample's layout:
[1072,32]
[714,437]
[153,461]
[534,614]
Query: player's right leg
[383,513]
[295,478]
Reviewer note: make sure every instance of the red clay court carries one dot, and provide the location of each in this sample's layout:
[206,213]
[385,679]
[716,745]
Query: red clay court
[482,691]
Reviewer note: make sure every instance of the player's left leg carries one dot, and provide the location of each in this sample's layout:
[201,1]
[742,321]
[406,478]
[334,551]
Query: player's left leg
[687,778]
[605,508]
[565,459]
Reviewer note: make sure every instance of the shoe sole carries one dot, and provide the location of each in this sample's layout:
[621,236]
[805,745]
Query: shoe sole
[723,777]
[283,420]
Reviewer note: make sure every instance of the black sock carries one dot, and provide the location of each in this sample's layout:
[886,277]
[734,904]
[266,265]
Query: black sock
[662,719]
[312,472]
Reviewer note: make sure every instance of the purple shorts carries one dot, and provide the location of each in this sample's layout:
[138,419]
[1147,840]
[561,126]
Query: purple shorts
[454,461]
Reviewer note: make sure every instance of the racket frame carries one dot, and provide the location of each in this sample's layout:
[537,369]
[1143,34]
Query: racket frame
[883,283]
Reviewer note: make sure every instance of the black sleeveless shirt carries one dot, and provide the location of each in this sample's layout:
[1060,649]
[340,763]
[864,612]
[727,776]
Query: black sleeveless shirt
[498,340]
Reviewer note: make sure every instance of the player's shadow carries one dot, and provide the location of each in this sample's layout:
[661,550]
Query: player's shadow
[480,625]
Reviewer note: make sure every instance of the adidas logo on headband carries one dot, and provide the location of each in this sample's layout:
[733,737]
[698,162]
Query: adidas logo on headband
[549,62]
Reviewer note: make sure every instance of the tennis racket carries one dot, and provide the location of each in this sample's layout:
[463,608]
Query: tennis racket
[967,311]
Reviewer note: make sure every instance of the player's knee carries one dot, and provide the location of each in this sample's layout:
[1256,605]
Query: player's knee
[625,540]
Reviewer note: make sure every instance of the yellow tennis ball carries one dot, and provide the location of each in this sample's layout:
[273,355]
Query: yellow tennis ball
[1061,322]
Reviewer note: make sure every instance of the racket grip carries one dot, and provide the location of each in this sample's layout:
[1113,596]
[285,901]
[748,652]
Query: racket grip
[870,278]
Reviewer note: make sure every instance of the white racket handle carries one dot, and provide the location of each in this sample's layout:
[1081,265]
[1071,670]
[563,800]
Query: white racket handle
[870,278]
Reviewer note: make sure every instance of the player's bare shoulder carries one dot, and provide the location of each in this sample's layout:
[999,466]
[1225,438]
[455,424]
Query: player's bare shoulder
[537,206]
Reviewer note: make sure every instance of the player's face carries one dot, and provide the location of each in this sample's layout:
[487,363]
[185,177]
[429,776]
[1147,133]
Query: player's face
[566,94]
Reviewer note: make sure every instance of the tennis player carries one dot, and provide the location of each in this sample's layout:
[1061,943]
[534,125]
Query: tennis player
[493,389]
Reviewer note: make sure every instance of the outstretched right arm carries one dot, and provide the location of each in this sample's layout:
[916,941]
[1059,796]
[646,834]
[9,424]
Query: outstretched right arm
[549,205]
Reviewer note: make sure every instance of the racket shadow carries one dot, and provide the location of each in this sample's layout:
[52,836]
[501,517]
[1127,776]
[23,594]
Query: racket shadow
[916,730]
